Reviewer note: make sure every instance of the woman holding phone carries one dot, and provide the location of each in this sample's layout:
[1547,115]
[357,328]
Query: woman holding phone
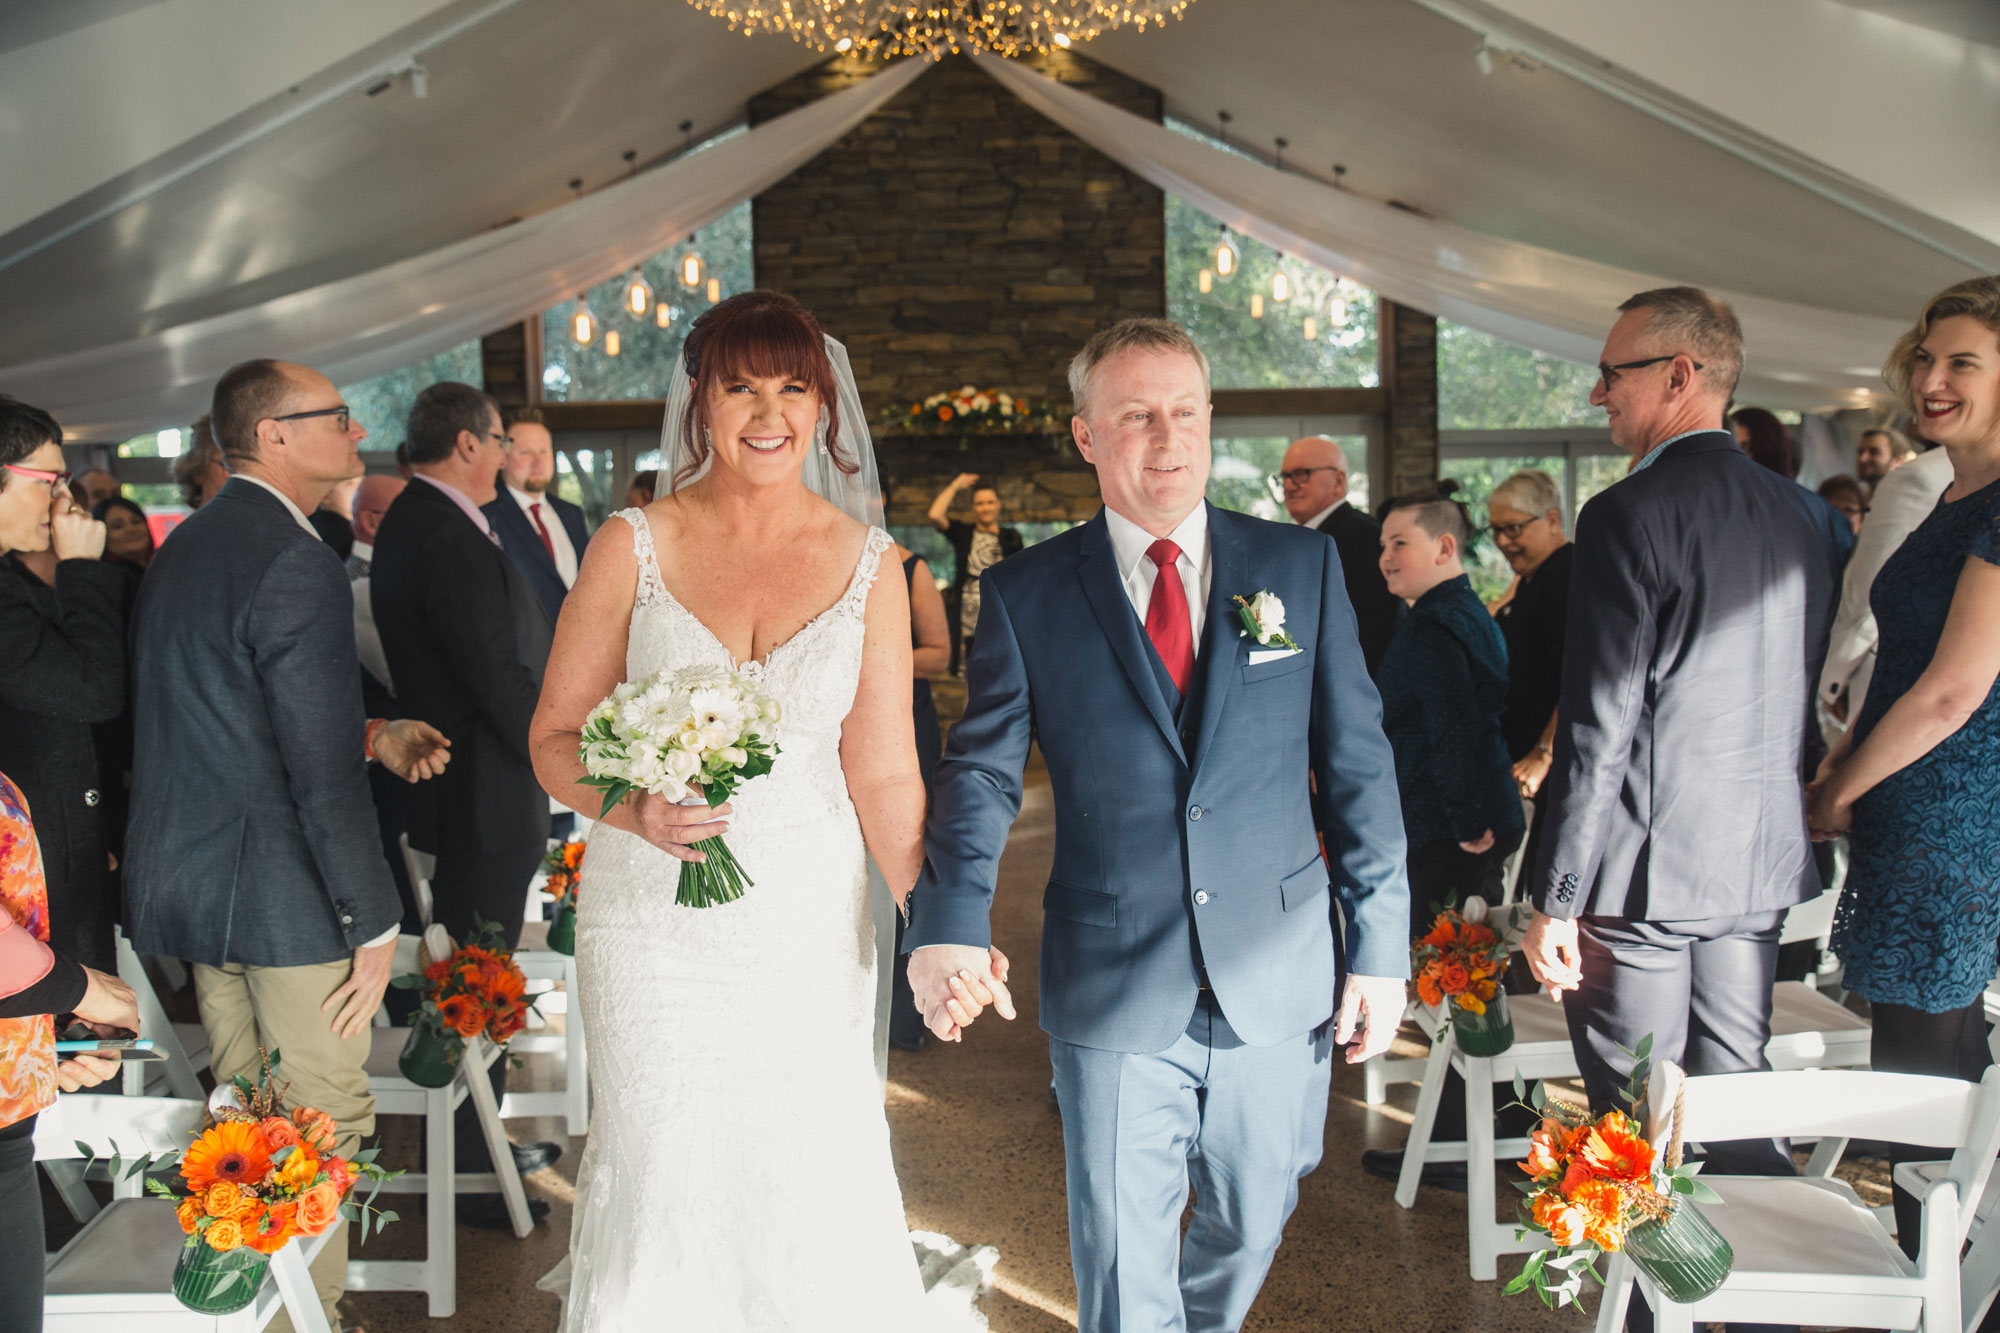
[36,983]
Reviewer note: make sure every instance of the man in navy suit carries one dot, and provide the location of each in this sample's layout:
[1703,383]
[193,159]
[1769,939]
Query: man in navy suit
[1190,962]
[542,533]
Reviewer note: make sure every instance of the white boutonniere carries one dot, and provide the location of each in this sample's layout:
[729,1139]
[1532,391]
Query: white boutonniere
[1263,618]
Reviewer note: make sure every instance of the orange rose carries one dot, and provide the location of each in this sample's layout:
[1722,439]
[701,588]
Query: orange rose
[944,414]
[1564,1221]
[279,1132]
[1454,979]
[339,1174]
[189,1213]
[1428,992]
[1575,1178]
[317,1129]
[220,1200]
[1477,935]
[462,1015]
[319,1208]
[223,1234]
[248,1208]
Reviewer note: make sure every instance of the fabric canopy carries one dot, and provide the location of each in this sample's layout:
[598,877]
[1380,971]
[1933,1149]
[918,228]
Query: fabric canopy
[1797,356]
[377,321]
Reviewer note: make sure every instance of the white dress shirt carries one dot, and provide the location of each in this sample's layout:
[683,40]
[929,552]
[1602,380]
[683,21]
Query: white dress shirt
[1129,544]
[1902,500]
[558,534]
[1322,516]
[367,638]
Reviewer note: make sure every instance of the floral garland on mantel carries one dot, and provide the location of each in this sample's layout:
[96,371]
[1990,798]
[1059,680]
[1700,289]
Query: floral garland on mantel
[973,411]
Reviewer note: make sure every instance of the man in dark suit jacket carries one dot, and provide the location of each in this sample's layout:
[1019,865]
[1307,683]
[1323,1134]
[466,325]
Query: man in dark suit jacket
[543,534]
[1314,474]
[1703,591]
[252,850]
[466,640]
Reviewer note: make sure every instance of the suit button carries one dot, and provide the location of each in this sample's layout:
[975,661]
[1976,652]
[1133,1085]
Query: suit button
[1201,897]
[90,796]
[347,921]
[1195,812]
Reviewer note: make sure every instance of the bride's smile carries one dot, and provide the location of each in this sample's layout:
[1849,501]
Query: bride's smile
[761,422]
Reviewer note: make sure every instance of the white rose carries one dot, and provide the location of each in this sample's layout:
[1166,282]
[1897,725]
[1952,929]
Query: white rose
[681,766]
[714,736]
[734,757]
[1269,614]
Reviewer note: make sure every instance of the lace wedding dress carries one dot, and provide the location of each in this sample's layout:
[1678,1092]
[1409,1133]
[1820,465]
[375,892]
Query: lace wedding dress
[738,1174]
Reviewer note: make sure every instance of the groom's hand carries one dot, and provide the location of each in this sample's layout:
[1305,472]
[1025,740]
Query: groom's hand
[1371,1009]
[954,983]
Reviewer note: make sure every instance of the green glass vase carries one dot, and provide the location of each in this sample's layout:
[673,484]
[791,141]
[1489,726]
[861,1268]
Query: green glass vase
[430,1057]
[1684,1255]
[211,1281]
[1489,1033]
[562,930]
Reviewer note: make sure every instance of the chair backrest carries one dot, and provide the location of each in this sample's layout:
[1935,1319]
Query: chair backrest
[113,1126]
[1916,1109]
[420,866]
[1810,920]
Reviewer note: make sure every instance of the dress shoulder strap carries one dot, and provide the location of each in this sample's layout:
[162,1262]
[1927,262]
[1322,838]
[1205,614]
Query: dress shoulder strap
[865,570]
[651,587]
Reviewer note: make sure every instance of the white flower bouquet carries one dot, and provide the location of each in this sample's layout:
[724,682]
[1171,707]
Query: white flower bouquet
[692,736]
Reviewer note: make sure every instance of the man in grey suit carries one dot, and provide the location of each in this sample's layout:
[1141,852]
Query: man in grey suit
[1698,617]
[1191,971]
[252,850]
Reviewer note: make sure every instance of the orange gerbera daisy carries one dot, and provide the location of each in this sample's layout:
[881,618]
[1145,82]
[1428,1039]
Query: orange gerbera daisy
[1614,1150]
[1563,1220]
[233,1151]
[1427,990]
[1604,1213]
[270,1231]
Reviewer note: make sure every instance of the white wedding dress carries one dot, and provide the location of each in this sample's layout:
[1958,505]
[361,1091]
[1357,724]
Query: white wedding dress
[737,1175]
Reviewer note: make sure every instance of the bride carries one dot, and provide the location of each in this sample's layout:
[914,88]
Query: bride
[738,1174]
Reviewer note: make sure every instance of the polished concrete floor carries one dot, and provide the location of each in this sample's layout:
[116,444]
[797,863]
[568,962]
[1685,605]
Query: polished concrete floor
[979,1152]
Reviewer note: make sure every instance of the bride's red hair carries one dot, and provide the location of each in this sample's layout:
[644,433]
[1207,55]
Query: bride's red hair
[760,334]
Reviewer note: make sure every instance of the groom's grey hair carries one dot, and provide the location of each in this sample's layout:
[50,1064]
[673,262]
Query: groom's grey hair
[1146,334]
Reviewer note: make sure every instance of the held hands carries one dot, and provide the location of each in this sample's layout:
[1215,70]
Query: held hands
[73,533]
[954,983]
[1371,1009]
[411,749]
[1533,771]
[361,994]
[673,828]
[1551,950]
[1827,816]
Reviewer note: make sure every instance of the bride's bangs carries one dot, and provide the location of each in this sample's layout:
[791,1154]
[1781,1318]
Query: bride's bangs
[767,335]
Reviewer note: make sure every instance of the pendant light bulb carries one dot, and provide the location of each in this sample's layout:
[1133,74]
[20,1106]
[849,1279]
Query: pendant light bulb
[1312,329]
[1281,286]
[1256,305]
[1225,256]
[638,295]
[690,268]
[1206,281]
[663,314]
[1336,312]
[611,342]
[714,290]
[582,324]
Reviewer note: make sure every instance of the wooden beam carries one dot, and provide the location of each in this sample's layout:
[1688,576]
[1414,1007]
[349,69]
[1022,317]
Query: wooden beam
[1351,402]
[1407,343]
[633,414]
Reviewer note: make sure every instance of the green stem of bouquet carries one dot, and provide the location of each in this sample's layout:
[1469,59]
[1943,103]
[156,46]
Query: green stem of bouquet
[713,882]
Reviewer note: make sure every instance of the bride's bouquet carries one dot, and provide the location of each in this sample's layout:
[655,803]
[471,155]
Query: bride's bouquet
[691,736]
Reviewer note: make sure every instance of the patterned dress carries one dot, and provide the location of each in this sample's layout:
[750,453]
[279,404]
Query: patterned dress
[27,1045]
[1920,915]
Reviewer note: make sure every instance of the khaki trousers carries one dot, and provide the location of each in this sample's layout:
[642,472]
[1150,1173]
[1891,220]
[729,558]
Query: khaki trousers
[277,1008]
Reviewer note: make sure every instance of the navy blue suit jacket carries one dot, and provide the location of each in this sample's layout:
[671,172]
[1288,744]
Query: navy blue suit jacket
[524,545]
[1175,841]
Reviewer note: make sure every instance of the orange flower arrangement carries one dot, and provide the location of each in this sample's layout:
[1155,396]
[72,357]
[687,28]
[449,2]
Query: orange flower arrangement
[1460,961]
[564,867]
[261,1175]
[474,988]
[971,410]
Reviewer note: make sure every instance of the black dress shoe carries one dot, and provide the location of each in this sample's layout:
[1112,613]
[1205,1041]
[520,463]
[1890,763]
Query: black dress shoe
[530,1157]
[1388,1164]
[488,1212]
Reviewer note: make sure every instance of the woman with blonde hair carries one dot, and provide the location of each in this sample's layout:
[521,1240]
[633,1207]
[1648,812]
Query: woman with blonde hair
[1911,782]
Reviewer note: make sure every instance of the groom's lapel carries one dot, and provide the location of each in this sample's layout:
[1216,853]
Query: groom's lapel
[1221,644]
[1098,569]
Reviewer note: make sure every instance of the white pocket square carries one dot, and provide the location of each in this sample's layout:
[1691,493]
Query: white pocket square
[1259,656]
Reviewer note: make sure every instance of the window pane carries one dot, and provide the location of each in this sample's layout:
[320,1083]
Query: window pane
[382,405]
[647,353]
[1239,478]
[1485,383]
[1596,472]
[1476,478]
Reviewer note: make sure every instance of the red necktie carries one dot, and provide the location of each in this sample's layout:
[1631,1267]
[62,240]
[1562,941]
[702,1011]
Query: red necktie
[548,543]
[1167,615]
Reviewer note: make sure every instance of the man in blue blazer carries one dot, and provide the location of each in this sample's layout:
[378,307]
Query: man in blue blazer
[542,533]
[1190,962]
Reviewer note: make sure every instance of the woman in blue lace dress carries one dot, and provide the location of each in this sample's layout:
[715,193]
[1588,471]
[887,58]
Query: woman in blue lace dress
[1913,783]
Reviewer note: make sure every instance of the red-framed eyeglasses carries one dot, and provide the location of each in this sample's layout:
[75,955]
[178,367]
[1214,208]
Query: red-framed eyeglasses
[39,474]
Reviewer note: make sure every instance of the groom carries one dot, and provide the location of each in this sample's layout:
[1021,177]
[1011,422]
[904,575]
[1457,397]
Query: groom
[1189,960]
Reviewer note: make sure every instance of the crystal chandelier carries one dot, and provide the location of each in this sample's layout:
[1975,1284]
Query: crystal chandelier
[936,28]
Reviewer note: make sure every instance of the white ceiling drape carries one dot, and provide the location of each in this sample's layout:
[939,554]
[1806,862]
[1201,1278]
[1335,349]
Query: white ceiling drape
[377,321]
[1798,356]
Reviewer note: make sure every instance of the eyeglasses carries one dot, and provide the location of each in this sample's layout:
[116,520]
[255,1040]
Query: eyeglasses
[342,414]
[506,441]
[1608,375]
[39,474]
[1299,476]
[1511,531]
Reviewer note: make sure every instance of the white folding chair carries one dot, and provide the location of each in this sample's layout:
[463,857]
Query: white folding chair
[1808,1251]
[436,1274]
[179,1072]
[117,1273]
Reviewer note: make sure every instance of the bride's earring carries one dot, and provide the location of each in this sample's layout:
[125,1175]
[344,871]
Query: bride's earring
[819,436]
